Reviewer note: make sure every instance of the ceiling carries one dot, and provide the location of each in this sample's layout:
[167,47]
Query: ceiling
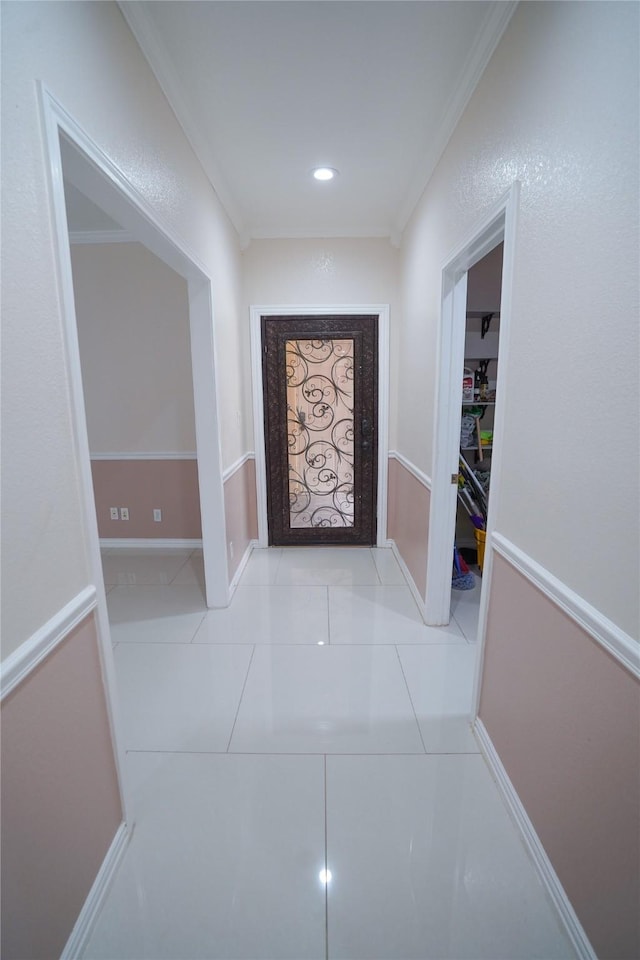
[267,90]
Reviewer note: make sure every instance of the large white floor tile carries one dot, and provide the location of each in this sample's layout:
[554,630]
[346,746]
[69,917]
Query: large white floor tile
[440,680]
[326,700]
[157,614]
[192,571]
[426,863]
[465,607]
[382,614]
[130,567]
[262,566]
[387,566]
[269,614]
[327,565]
[179,696]
[224,862]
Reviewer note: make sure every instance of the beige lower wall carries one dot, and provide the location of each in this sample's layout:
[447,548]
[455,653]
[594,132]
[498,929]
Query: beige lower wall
[241,512]
[60,799]
[142,486]
[408,520]
[564,717]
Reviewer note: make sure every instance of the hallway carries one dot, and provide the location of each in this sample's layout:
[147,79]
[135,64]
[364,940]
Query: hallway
[305,779]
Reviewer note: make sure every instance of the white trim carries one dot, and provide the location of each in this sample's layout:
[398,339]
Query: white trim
[127,455]
[311,310]
[90,169]
[541,861]
[19,664]
[87,917]
[487,39]
[498,224]
[615,641]
[411,468]
[78,237]
[237,465]
[238,574]
[407,575]
[148,543]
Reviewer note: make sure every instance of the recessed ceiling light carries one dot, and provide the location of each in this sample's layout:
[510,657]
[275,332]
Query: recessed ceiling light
[325,173]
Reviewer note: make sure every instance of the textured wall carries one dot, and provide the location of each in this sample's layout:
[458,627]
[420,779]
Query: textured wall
[133,327]
[241,513]
[342,271]
[563,716]
[557,109]
[143,486]
[86,55]
[408,520]
[60,799]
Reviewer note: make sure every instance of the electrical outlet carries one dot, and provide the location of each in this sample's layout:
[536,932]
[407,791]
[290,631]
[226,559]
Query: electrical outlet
[157,515]
[124,513]
[114,513]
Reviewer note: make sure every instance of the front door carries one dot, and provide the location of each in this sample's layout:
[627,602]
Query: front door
[320,378]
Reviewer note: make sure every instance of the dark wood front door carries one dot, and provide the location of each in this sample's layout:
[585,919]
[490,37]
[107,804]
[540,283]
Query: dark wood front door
[320,377]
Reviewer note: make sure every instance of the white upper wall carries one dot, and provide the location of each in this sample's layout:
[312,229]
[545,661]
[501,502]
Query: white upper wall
[86,55]
[133,326]
[557,109]
[331,271]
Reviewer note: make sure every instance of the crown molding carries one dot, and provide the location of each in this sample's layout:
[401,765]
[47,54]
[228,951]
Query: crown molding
[151,46]
[495,24]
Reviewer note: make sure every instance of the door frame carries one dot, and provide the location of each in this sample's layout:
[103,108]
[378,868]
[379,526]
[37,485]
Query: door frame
[498,225]
[89,168]
[307,311]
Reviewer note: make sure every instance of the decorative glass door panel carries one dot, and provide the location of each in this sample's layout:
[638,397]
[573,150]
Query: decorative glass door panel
[319,379]
[320,432]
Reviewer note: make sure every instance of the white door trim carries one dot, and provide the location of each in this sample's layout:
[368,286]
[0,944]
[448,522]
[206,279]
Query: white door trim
[499,224]
[92,170]
[311,310]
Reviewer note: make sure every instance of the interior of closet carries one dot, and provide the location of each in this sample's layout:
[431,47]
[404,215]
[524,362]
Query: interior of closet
[482,337]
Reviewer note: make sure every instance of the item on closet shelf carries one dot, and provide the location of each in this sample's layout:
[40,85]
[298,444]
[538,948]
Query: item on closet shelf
[487,437]
[467,426]
[462,578]
[467,384]
[481,536]
[470,478]
[479,436]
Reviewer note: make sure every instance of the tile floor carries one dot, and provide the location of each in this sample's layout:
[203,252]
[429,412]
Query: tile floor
[305,779]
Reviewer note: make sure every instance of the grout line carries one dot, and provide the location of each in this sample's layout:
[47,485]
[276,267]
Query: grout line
[404,677]
[275,753]
[186,561]
[328,616]
[235,719]
[326,867]
[197,630]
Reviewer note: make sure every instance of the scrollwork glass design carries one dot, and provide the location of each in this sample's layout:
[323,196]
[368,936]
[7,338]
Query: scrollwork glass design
[320,432]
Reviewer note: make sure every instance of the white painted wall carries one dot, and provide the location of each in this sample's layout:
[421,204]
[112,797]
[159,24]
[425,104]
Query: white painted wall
[556,109]
[87,56]
[133,327]
[345,271]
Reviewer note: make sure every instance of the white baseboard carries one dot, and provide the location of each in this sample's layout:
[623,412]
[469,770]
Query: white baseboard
[410,581]
[538,854]
[83,926]
[19,664]
[151,543]
[238,574]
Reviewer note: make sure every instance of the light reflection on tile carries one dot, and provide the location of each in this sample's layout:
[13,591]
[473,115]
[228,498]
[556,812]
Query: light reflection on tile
[426,862]
[269,614]
[326,699]
[142,567]
[223,863]
[177,697]
[382,614]
[327,565]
